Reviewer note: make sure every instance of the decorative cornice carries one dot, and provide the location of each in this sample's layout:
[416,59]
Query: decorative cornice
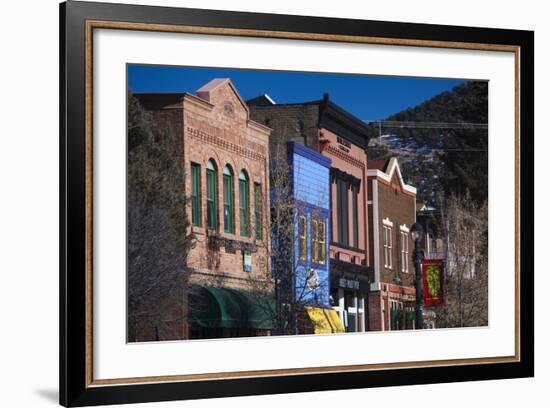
[338,153]
[386,221]
[342,175]
[339,121]
[224,144]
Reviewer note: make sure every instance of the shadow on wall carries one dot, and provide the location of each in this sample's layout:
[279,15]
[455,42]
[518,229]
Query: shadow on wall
[51,395]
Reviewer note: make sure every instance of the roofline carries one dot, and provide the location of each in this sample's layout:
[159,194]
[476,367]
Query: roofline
[233,87]
[388,174]
[334,118]
[306,152]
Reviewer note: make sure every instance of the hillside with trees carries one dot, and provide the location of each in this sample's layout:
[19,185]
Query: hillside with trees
[441,143]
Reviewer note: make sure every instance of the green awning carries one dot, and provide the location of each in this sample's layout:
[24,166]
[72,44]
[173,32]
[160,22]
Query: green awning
[230,308]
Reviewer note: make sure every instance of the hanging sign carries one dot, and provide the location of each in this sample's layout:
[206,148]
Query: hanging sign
[432,282]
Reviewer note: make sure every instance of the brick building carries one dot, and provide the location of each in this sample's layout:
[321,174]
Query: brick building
[391,212]
[328,129]
[226,177]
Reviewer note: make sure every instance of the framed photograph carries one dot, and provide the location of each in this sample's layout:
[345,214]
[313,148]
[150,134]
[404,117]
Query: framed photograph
[257,204]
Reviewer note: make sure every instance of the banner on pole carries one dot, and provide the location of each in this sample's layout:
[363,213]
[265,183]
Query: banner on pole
[432,282]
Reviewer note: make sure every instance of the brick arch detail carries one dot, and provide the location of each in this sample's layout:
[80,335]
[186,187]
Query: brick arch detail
[227,159]
[214,155]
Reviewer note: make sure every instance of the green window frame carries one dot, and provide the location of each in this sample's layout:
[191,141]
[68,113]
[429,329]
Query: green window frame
[258,211]
[244,204]
[228,201]
[211,195]
[195,194]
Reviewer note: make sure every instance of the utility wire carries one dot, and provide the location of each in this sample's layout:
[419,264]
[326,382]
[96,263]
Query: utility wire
[427,125]
[430,125]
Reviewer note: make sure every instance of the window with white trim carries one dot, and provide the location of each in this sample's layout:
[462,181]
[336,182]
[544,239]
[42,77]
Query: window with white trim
[404,251]
[388,263]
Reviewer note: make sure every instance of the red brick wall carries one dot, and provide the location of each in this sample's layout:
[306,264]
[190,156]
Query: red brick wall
[375,309]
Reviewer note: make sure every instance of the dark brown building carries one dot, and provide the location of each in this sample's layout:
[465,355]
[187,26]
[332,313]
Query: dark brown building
[392,212]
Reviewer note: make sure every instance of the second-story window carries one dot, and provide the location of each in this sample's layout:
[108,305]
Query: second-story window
[195,194]
[314,241]
[387,247]
[404,252]
[342,211]
[355,207]
[318,241]
[302,231]
[321,241]
[211,195]
[258,214]
[244,204]
[228,200]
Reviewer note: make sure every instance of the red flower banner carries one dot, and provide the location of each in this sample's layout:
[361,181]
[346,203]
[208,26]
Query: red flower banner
[432,281]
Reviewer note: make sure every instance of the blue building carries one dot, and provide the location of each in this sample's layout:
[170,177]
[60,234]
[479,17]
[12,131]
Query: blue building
[310,190]
[311,194]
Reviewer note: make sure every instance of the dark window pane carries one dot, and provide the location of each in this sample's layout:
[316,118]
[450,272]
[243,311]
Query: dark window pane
[342,211]
[211,198]
[258,215]
[195,194]
[244,204]
[228,224]
[355,221]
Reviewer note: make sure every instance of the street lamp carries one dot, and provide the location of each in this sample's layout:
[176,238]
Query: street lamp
[416,234]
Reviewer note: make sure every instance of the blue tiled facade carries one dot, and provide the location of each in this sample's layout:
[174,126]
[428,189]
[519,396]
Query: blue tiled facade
[311,191]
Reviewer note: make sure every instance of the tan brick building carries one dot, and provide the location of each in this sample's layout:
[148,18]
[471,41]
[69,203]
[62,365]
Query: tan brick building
[391,212]
[226,177]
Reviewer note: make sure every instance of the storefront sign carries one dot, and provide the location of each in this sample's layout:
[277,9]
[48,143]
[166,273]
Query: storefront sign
[348,284]
[432,282]
[343,144]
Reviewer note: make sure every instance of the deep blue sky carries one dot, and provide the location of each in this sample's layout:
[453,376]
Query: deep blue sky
[367,97]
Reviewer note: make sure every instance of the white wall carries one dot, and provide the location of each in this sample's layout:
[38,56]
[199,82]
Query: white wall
[29,201]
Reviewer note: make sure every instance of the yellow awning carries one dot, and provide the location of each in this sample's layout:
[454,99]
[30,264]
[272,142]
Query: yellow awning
[335,322]
[325,321]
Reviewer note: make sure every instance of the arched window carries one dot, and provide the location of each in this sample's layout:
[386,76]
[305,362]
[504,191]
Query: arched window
[228,210]
[211,195]
[196,194]
[244,204]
